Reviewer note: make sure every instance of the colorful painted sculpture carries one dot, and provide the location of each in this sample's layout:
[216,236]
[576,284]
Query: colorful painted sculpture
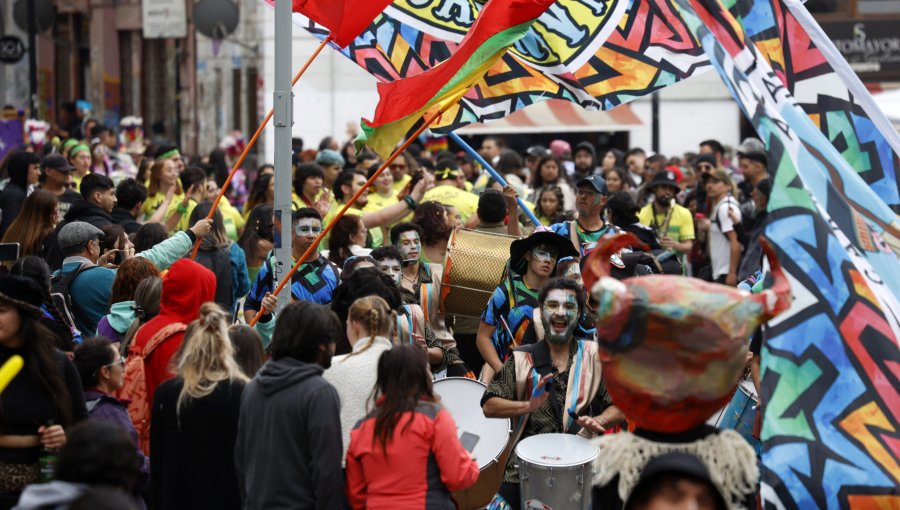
[674,347]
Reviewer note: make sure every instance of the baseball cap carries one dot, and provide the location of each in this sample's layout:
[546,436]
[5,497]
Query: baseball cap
[537,151]
[719,174]
[56,162]
[596,182]
[77,233]
[753,149]
[664,178]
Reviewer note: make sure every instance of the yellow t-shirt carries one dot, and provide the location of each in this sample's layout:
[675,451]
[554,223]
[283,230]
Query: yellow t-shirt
[681,226]
[152,203]
[466,203]
[77,181]
[399,185]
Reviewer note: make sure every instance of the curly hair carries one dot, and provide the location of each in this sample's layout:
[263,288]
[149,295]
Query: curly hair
[432,217]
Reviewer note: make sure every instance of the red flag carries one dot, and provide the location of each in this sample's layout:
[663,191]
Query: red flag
[346,19]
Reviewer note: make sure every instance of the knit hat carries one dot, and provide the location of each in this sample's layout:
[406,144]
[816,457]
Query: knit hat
[23,293]
[328,157]
[77,233]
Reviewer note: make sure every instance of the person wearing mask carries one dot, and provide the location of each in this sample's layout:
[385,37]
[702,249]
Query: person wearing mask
[557,397]
[532,261]
[407,435]
[195,419]
[43,401]
[121,312]
[288,448]
[33,227]
[223,257]
[102,371]
[370,324]
[57,179]
[24,170]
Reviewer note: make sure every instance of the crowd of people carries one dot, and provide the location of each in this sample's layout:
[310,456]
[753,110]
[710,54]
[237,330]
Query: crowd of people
[145,387]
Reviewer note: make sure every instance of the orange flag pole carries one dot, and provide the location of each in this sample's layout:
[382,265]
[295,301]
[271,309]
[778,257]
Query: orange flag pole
[309,251]
[252,142]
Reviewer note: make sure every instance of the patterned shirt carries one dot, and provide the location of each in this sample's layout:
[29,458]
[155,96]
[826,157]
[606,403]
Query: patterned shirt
[587,239]
[547,419]
[511,307]
[314,281]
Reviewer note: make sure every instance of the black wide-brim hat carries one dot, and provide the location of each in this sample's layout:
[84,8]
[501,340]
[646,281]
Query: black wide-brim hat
[518,248]
[23,293]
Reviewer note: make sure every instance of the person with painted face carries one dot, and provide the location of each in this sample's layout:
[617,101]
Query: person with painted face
[314,281]
[532,261]
[591,194]
[569,395]
[420,284]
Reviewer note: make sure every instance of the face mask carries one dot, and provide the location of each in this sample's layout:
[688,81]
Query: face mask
[393,269]
[559,315]
[308,227]
[410,246]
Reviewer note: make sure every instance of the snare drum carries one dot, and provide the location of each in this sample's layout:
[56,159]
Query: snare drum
[472,269]
[556,471]
[461,398]
[740,414]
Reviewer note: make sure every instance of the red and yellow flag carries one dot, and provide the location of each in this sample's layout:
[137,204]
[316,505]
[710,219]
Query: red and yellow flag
[403,102]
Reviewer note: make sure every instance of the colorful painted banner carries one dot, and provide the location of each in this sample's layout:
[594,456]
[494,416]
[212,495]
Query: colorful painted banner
[830,363]
[821,81]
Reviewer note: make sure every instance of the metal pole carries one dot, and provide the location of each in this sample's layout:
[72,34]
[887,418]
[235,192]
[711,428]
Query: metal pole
[497,177]
[32,60]
[654,122]
[283,103]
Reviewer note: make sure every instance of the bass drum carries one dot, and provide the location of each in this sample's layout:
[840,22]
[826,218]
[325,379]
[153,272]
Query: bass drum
[473,266]
[461,397]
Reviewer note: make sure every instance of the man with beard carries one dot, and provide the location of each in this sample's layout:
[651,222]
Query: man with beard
[570,394]
[585,160]
[591,194]
[679,236]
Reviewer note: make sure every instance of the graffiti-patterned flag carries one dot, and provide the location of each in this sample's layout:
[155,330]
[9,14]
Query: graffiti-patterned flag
[403,102]
[818,77]
[830,364]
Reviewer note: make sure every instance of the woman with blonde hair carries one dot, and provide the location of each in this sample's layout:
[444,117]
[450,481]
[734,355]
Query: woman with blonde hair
[194,420]
[370,330]
[163,189]
[34,224]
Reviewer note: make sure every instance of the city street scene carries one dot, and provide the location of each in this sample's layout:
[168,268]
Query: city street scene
[450,254]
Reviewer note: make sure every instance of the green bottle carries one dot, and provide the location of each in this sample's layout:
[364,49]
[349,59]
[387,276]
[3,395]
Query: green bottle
[47,462]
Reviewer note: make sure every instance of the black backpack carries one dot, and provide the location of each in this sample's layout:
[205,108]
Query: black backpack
[219,262]
[59,294]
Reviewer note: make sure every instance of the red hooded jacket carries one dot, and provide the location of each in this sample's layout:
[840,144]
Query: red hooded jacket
[186,286]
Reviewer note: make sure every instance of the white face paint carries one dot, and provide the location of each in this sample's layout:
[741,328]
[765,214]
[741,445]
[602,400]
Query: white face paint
[559,314]
[409,245]
[308,227]
[392,268]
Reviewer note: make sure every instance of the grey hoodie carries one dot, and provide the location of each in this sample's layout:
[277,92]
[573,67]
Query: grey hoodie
[594,168]
[50,495]
[288,451]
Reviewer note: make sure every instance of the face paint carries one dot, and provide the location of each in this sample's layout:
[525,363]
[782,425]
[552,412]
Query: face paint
[559,314]
[573,272]
[308,227]
[392,268]
[409,245]
[542,254]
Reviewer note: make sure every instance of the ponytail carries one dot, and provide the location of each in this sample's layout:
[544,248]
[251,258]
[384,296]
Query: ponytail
[373,313]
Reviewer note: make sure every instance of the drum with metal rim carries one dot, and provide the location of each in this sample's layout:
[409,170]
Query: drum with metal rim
[556,471]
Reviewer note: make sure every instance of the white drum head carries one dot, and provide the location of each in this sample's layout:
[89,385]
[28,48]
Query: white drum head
[461,397]
[556,450]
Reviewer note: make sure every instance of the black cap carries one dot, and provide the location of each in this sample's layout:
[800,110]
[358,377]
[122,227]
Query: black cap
[664,178]
[677,462]
[56,162]
[596,182]
[706,158]
[537,151]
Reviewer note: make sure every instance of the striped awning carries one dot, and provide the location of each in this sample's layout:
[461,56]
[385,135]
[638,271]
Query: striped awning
[558,116]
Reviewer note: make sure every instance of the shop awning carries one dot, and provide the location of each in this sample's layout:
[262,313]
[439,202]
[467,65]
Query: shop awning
[558,116]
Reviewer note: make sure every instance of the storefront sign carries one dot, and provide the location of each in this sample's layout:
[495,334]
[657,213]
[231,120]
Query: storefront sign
[164,19]
[871,47]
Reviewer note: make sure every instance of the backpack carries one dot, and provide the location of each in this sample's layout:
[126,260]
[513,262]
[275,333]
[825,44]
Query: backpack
[219,262]
[135,387]
[72,314]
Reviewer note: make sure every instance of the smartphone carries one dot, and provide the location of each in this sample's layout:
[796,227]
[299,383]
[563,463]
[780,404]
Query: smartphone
[468,441]
[9,252]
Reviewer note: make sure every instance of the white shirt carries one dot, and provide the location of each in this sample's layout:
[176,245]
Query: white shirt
[353,376]
[719,245]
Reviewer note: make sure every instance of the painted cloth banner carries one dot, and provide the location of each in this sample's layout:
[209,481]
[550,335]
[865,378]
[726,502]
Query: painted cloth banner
[403,102]
[639,49]
[821,81]
[830,363]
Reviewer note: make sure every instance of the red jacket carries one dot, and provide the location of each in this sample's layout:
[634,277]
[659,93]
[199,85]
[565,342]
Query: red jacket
[187,285]
[424,463]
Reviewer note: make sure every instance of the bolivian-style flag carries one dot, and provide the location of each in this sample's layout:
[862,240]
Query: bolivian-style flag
[403,102]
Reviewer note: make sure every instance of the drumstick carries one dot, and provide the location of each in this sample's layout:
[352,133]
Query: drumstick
[10,370]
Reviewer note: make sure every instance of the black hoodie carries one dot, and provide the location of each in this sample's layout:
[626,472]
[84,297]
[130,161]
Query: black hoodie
[288,451]
[588,146]
[13,195]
